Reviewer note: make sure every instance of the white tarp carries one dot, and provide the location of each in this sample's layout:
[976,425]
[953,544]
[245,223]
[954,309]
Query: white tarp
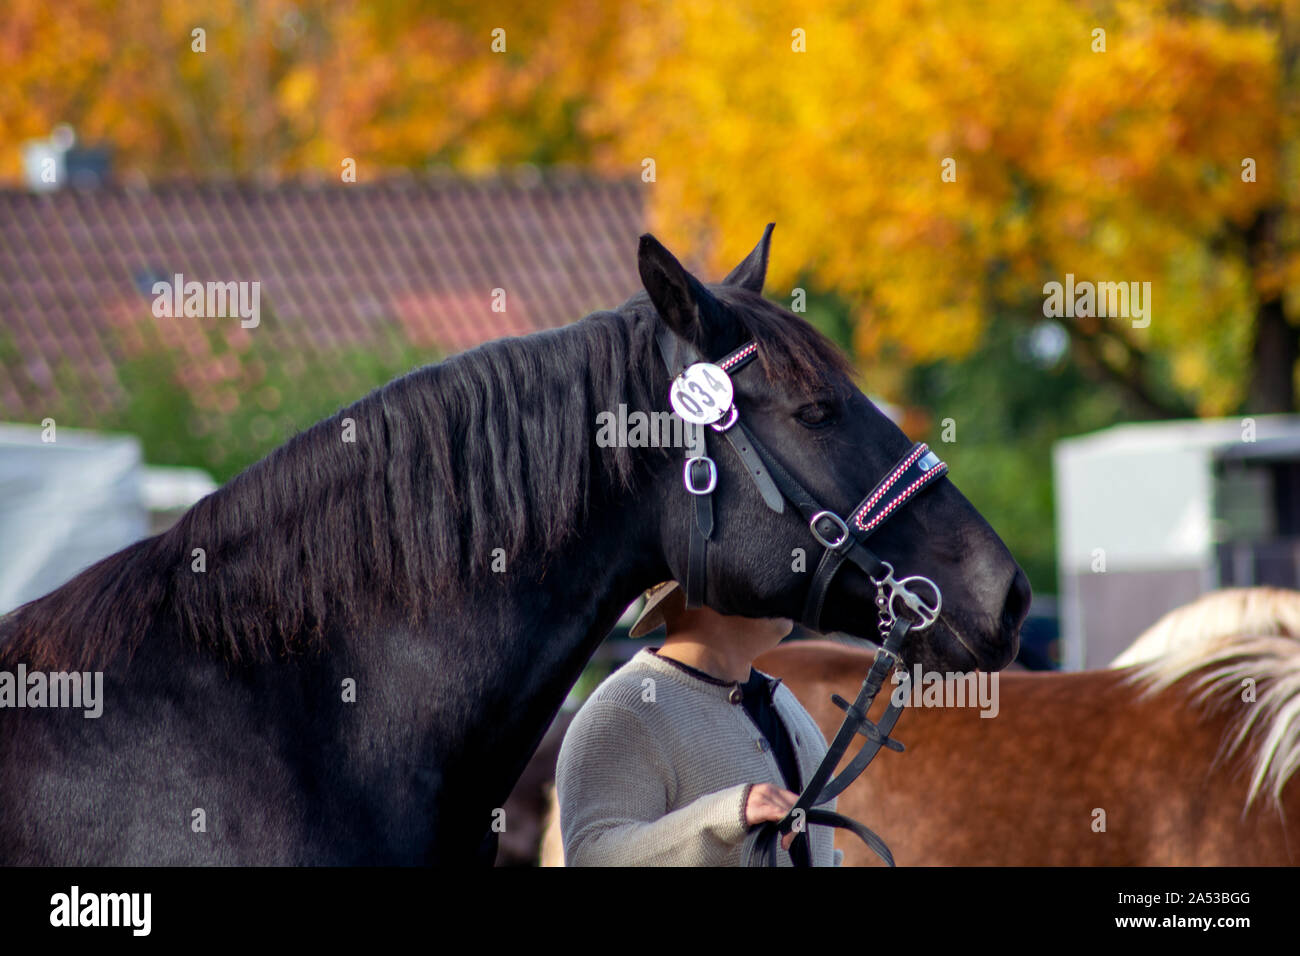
[1144,493]
[64,505]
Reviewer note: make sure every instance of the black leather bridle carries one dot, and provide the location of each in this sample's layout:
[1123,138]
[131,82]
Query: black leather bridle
[900,607]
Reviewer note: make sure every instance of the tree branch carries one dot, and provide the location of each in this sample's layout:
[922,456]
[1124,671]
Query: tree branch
[1132,378]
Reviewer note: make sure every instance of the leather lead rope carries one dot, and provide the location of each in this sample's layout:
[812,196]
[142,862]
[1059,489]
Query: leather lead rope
[821,788]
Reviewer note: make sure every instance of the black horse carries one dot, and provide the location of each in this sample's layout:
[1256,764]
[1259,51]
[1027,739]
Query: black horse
[377,631]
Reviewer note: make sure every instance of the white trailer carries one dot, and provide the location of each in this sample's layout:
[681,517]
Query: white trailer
[1149,516]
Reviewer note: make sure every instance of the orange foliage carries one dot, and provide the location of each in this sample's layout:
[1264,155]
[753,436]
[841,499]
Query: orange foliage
[1122,165]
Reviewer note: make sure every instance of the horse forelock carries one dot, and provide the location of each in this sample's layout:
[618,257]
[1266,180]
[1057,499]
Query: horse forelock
[792,353]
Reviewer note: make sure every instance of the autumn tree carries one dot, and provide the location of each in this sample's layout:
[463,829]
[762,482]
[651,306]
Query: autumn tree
[935,162]
[938,163]
[268,88]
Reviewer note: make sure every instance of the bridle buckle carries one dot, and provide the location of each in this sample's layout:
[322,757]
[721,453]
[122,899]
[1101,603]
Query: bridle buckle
[893,657]
[732,416]
[711,481]
[840,527]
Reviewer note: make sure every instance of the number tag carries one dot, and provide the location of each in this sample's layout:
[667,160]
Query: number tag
[702,394]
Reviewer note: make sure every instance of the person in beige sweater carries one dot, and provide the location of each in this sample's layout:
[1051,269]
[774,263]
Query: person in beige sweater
[681,753]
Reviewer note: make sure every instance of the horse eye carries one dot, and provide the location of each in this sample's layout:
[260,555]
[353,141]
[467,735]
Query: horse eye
[817,415]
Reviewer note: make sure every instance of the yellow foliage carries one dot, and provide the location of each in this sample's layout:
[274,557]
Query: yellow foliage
[1123,165]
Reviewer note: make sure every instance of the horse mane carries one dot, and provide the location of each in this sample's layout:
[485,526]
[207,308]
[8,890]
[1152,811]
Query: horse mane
[453,465]
[1222,613]
[1216,643]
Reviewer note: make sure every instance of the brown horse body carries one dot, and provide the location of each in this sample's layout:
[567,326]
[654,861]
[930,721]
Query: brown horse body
[1030,785]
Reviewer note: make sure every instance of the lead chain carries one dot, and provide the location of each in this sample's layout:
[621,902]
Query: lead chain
[884,617]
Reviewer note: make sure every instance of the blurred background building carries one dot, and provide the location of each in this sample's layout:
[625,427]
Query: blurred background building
[69,498]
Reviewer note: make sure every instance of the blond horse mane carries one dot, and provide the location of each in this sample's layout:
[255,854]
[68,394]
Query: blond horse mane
[1228,613]
[1228,641]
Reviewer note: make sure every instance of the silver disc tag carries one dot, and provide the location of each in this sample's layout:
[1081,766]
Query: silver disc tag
[702,394]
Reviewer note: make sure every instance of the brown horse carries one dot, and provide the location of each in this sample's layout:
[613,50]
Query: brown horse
[1183,760]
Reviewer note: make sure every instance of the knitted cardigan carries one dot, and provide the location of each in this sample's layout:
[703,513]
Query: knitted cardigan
[657,765]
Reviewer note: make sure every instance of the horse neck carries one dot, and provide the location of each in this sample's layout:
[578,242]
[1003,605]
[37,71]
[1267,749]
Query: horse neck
[551,629]
[496,666]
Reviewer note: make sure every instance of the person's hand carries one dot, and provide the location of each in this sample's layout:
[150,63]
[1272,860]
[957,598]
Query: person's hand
[769,803]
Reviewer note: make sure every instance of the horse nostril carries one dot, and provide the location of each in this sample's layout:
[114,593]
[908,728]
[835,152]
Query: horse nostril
[1017,606]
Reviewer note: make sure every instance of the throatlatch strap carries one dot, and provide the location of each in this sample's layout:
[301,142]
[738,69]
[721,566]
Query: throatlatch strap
[742,442]
[745,449]
[677,355]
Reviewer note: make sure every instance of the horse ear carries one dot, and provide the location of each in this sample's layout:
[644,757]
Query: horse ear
[752,271]
[685,305]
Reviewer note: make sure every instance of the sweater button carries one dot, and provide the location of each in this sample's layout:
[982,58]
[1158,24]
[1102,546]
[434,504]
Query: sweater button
[736,695]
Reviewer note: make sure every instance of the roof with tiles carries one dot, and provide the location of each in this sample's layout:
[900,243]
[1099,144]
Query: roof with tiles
[339,266]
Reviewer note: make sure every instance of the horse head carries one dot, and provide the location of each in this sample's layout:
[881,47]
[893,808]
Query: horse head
[797,401]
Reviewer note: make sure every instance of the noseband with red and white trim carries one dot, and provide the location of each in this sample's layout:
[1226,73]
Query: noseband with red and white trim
[901,604]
